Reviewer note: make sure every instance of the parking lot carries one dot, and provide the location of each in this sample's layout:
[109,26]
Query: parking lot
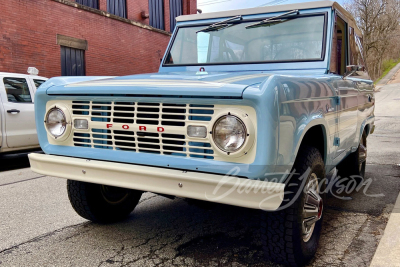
[39,228]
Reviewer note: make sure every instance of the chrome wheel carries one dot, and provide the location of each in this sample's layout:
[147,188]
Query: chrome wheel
[313,207]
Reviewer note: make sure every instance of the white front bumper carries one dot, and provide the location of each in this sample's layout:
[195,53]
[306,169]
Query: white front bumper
[203,186]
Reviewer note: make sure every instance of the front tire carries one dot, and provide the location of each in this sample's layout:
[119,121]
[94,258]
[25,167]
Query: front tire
[290,236]
[101,203]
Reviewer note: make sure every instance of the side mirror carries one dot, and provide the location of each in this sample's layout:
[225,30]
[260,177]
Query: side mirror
[358,71]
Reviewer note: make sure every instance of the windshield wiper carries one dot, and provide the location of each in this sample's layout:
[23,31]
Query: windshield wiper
[220,25]
[273,20]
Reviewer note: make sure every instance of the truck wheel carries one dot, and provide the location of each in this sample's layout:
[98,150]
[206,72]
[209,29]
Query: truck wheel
[101,203]
[290,236]
[354,164]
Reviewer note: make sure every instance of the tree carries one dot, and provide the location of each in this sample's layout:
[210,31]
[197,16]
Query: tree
[379,22]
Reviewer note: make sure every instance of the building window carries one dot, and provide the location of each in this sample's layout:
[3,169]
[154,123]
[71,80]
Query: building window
[156,13]
[72,61]
[117,7]
[89,3]
[175,7]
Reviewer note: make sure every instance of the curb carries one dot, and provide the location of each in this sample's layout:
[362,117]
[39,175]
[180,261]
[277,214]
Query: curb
[389,76]
[388,252]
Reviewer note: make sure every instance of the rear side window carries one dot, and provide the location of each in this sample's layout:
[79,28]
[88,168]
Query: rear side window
[17,90]
[38,83]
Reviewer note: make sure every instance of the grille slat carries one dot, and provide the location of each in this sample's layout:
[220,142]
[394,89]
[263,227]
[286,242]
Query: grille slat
[142,113]
[110,141]
[117,136]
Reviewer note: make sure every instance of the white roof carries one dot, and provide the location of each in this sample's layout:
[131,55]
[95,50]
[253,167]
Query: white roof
[272,9]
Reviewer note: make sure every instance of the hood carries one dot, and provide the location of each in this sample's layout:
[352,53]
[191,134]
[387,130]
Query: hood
[217,84]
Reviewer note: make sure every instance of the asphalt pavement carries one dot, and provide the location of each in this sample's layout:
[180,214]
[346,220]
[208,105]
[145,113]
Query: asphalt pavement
[39,228]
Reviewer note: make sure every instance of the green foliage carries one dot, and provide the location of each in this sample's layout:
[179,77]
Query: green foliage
[387,65]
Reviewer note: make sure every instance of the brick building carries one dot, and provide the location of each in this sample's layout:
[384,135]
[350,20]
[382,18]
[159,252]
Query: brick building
[87,37]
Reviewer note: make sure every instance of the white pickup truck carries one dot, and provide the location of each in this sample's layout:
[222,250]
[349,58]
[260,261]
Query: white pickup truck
[17,116]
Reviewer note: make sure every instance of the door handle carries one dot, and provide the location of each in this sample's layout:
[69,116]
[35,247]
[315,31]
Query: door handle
[13,111]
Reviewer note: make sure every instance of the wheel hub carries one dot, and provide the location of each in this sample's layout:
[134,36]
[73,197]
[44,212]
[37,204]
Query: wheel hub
[113,195]
[313,207]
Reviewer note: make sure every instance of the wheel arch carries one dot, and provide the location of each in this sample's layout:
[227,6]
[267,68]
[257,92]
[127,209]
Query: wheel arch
[366,129]
[366,126]
[311,135]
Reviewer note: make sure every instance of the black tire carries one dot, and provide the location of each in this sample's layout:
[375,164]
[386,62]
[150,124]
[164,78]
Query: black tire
[283,238]
[353,166]
[102,204]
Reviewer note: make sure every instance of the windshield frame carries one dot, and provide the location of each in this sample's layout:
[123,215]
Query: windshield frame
[322,58]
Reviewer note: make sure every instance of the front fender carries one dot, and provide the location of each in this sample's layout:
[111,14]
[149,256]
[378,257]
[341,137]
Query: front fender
[302,131]
[290,142]
[304,102]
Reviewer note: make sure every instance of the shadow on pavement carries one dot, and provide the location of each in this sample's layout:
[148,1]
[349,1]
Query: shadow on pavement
[168,232]
[371,198]
[13,162]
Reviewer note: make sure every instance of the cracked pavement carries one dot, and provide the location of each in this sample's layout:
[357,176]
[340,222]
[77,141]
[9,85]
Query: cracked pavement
[39,228]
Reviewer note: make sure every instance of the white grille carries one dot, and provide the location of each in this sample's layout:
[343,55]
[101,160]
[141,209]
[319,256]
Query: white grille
[157,114]
[143,113]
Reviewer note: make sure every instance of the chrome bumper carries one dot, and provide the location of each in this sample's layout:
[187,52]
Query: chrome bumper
[209,187]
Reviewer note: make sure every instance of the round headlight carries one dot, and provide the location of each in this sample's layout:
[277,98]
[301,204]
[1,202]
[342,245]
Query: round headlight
[229,133]
[56,123]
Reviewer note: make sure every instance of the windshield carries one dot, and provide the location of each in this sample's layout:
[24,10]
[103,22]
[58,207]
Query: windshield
[293,39]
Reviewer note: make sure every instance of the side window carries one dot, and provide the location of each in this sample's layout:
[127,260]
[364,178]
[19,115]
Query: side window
[17,90]
[38,82]
[356,56]
[339,44]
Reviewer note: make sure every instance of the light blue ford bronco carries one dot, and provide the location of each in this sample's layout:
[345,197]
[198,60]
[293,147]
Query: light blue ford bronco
[251,108]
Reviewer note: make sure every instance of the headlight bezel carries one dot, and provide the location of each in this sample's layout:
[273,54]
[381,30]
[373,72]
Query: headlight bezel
[68,125]
[214,131]
[245,120]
